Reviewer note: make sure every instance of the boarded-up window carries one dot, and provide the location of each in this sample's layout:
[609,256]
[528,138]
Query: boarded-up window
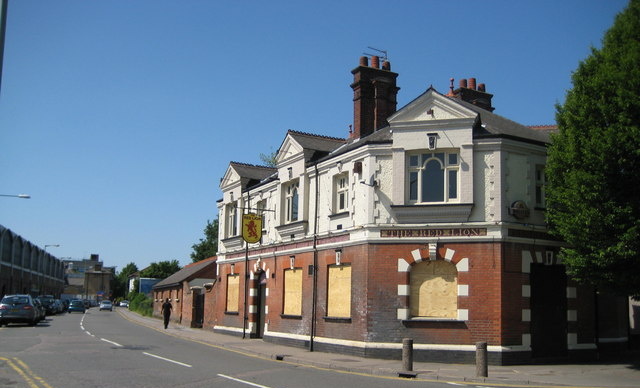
[339,291]
[233,287]
[434,289]
[292,292]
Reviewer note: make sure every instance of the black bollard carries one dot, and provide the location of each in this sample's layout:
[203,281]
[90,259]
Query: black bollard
[482,369]
[407,354]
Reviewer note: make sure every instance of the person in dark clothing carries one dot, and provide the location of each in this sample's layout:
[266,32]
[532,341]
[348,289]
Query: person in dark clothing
[166,312]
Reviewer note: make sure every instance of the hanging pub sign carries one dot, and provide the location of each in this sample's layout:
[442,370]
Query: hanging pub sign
[251,227]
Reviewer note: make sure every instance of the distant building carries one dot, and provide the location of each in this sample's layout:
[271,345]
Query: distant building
[26,268]
[88,279]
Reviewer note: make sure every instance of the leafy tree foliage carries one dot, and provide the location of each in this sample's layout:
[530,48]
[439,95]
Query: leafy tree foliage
[593,169]
[122,280]
[161,269]
[269,159]
[208,246]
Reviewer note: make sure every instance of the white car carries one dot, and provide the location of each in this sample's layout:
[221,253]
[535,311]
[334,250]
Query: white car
[124,303]
[106,305]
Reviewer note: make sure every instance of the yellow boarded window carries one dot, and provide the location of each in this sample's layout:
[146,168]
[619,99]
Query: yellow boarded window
[233,287]
[339,291]
[292,292]
[434,289]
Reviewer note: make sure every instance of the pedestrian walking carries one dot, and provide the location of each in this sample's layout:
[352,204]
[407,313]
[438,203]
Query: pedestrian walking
[166,312]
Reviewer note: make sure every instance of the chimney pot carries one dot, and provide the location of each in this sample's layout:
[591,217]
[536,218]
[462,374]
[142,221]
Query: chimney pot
[481,87]
[463,83]
[375,62]
[472,83]
[386,65]
[364,61]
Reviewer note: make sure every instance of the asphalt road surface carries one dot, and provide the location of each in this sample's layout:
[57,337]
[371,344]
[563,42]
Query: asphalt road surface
[103,349]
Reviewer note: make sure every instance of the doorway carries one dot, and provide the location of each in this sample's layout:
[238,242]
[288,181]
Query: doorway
[548,311]
[197,313]
[262,297]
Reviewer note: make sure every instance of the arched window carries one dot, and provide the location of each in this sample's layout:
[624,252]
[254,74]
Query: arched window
[434,290]
[432,177]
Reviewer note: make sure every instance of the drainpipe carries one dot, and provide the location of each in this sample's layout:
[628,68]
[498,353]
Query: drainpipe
[246,276]
[315,263]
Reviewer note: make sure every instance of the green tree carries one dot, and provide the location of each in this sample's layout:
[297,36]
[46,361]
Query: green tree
[593,168]
[208,246]
[161,269]
[269,159]
[122,280]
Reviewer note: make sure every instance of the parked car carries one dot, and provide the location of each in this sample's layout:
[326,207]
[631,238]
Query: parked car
[124,303]
[48,303]
[18,309]
[106,305]
[42,313]
[87,303]
[76,305]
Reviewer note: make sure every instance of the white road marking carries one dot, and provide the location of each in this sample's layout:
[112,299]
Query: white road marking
[167,359]
[111,342]
[243,381]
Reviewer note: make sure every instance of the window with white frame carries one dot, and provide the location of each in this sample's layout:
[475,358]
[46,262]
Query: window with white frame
[291,202]
[261,207]
[232,220]
[540,183]
[341,190]
[433,176]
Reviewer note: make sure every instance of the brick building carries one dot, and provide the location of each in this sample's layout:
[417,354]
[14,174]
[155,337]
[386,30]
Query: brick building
[424,223]
[187,291]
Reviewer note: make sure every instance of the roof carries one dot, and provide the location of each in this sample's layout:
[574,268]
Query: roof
[316,146]
[185,273]
[493,125]
[252,171]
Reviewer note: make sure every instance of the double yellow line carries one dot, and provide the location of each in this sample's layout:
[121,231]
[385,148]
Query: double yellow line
[33,380]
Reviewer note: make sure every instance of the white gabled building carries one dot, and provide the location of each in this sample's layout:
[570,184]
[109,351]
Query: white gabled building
[426,223]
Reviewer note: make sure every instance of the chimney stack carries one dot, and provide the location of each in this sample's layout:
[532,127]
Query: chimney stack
[374,96]
[476,96]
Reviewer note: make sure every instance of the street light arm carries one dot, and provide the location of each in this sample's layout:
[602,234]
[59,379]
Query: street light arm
[25,196]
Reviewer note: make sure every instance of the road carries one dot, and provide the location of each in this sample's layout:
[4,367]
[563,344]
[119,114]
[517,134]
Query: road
[103,349]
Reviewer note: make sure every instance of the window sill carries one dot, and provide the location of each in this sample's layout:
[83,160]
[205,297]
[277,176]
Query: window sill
[337,320]
[294,228]
[287,316]
[446,212]
[434,319]
[231,313]
[234,242]
[339,215]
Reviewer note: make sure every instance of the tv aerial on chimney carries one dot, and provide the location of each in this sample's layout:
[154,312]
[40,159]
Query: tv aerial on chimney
[385,56]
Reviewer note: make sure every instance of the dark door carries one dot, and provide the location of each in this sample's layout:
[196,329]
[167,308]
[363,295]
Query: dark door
[262,296]
[548,311]
[197,316]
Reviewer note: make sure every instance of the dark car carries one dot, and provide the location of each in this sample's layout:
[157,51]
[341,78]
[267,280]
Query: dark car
[49,304]
[42,313]
[18,309]
[76,305]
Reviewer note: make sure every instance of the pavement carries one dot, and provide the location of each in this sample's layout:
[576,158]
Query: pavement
[622,372]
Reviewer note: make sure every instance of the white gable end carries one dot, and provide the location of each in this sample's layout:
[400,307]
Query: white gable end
[289,149]
[430,106]
[230,177]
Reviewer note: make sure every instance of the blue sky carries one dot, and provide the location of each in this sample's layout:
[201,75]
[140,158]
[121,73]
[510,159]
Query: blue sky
[120,117]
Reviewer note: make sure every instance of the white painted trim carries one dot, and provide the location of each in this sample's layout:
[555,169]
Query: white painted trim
[253,291]
[403,314]
[526,340]
[526,291]
[572,315]
[463,265]
[403,266]
[403,290]
[463,314]
[571,292]
[572,338]
[526,315]
[463,290]
[613,340]
[448,255]
[253,309]
[581,346]
[433,251]
[228,328]
[390,345]
[417,257]
[526,261]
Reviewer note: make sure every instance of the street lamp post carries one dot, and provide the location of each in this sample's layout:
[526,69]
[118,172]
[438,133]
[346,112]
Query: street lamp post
[24,196]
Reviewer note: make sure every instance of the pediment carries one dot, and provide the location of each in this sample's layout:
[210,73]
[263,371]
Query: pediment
[289,148]
[230,177]
[431,106]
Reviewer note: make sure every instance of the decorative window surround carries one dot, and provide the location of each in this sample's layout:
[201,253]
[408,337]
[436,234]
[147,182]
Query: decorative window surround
[417,256]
